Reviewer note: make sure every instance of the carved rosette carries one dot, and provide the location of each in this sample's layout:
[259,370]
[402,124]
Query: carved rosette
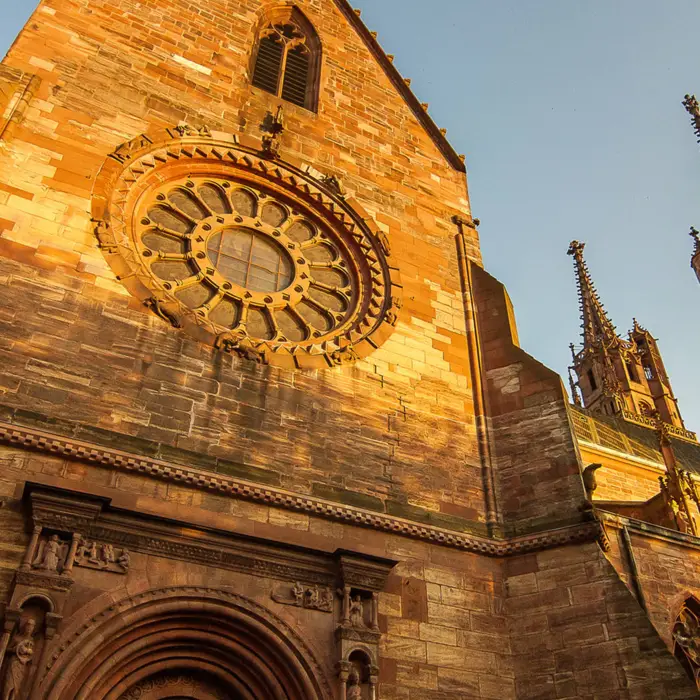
[256,257]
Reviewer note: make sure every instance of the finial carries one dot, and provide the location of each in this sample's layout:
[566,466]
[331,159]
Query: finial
[695,234]
[576,248]
[637,327]
[575,396]
[573,351]
[692,106]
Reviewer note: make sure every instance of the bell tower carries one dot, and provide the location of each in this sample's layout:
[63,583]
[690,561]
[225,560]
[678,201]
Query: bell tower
[618,376]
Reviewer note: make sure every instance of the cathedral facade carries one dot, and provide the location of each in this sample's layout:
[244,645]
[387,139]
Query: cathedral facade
[266,431]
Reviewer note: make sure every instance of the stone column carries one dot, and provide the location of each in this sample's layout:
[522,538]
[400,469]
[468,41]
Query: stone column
[346,605]
[70,559]
[31,549]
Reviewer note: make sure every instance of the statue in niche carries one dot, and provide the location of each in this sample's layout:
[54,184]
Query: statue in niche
[51,555]
[20,652]
[354,688]
[357,612]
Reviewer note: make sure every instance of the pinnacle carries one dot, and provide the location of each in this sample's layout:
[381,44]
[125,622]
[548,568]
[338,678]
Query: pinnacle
[595,323]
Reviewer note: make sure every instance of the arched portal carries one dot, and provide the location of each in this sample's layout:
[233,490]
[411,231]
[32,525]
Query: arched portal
[184,644]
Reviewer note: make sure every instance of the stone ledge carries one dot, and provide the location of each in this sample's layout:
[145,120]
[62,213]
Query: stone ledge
[41,441]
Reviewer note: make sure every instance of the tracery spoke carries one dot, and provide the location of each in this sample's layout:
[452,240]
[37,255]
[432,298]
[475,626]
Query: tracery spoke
[179,212]
[314,240]
[276,332]
[297,314]
[195,195]
[179,257]
[206,308]
[321,307]
[187,282]
[159,228]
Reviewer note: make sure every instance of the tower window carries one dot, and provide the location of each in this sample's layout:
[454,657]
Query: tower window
[648,372]
[632,371]
[591,380]
[287,60]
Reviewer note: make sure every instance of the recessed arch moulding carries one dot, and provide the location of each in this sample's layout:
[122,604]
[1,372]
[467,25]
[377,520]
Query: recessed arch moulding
[199,642]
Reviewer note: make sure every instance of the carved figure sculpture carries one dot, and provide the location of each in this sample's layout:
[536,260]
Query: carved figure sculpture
[21,652]
[298,593]
[326,602]
[50,556]
[354,689]
[687,636]
[312,598]
[124,560]
[93,557]
[108,553]
[357,613]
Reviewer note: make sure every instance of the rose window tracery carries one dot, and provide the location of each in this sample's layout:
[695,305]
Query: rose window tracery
[246,261]
[269,263]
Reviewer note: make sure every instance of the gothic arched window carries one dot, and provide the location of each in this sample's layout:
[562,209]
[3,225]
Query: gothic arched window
[288,58]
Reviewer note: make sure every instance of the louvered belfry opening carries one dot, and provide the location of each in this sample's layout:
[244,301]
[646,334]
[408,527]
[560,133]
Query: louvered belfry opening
[268,64]
[285,63]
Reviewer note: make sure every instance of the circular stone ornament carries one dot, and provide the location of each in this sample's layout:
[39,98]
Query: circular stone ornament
[244,251]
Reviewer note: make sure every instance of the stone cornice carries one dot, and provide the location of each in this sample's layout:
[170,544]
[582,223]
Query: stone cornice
[49,443]
[639,527]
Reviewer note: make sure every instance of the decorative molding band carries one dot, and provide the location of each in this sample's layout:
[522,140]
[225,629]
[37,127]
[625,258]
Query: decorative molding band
[40,441]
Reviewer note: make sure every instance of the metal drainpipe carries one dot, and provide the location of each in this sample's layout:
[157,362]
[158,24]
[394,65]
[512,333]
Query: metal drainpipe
[477,382]
[634,571]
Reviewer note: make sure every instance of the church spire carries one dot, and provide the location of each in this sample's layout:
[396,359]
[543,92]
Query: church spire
[618,376]
[596,325]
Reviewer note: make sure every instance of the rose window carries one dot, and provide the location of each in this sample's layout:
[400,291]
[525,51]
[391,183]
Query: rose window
[278,267]
[246,260]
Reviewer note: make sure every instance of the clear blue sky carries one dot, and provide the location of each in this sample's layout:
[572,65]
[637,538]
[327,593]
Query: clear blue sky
[569,113]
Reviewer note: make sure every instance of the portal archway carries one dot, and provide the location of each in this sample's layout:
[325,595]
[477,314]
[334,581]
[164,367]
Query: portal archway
[185,644]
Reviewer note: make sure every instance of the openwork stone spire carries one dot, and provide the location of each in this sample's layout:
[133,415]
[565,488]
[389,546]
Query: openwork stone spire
[693,108]
[596,325]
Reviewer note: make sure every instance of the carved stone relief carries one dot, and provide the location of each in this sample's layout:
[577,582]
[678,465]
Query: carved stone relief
[309,597]
[104,557]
